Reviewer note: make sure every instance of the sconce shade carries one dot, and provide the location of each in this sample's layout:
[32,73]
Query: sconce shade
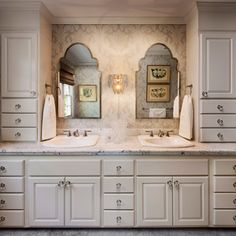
[118,82]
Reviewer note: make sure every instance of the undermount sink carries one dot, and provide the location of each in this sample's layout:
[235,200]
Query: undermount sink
[63,141]
[173,141]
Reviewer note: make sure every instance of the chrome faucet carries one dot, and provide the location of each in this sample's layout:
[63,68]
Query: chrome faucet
[67,132]
[151,132]
[76,133]
[160,133]
[86,133]
[168,133]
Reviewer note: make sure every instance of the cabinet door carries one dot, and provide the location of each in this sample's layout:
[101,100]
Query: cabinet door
[190,201]
[19,64]
[154,201]
[217,67]
[82,201]
[46,202]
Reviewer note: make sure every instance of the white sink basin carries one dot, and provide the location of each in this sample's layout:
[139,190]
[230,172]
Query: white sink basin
[174,141]
[63,141]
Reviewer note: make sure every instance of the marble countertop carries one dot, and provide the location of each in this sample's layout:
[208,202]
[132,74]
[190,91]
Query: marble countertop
[131,147]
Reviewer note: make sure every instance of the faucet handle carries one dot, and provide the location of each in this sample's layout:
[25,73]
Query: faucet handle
[86,132]
[151,132]
[160,133]
[67,132]
[76,133]
[168,132]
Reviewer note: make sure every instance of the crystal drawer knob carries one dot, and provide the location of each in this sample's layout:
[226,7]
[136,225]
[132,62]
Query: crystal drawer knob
[2,185]
[18,121]
[17,134]
[17,106]
[220,122]
[2,202]
[118,168]
[234,218]
[2,169]
[234,201]
[118,185]
[220,136]
[204,94]
[118,219]
[234,184]
[118,202]
[33,93]
[234,167]
[2,219]
[220,107]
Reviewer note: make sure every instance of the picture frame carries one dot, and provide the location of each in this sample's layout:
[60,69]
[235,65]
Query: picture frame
[87,93]
[158,93]
[157,74]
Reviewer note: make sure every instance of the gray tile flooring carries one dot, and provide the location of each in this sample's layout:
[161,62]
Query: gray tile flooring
[119,232]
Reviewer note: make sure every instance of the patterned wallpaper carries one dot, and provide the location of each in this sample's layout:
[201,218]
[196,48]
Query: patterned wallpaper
[118,49]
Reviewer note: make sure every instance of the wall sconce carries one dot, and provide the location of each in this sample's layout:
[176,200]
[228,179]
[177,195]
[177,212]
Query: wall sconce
[118,82]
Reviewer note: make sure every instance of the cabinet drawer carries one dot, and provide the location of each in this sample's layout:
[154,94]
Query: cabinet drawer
[19,105]
[11,218]
[225,200]
[124,167]
[225,217]
[118,201]
[118,218]
[11,184]
[19,134]
[64,167]
[19,120]
[218,135]
[11,168]
[217,121]
[11,201]
[217,106]
[225,184]
[118,184]
[172,167]
[225,167]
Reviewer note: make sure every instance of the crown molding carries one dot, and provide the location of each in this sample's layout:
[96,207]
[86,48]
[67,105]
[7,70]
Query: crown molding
[217,6]
[20,5]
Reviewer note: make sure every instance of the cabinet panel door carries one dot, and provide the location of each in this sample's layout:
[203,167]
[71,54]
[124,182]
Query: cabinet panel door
[218,71]
[82,201]
[190,201]
[19,64]
[154,201]
[46,202]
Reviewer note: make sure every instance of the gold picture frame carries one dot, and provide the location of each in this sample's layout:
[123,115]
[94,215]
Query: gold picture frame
[157,74]
[158,93]
[87,93]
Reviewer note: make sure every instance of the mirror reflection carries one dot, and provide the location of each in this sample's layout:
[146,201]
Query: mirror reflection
[81,86]
[156,83]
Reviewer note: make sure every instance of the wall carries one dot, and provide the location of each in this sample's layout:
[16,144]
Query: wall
[118,49]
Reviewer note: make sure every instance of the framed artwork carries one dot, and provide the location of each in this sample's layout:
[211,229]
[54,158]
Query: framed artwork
[158,74]
[87,93]
[158,93]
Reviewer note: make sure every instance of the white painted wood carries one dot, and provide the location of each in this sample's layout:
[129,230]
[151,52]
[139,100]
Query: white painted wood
[19,64]
[172,167]
[12,218]
[118,184]
[190,201]
[218,121]
[11,167]
[225,200]
[19,134]
[217,70]
[154,201]
[224,218]
[212,106]
[64,167]
[225,167]
[46,201]
[82,202]
[118,167]
[224,184]
[19,120]
[218,135]
[19,105]
[118,202]
[11,184]
[118,218]
[11,201]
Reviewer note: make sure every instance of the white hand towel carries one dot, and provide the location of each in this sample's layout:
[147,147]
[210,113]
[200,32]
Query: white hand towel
[157,112]
[60,100]
[49,118]
[176,107]
[186,118]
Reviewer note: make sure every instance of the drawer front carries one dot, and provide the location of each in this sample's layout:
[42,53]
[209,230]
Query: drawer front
[19,134]
[118,201]
[118,184]
[225,184]
[217,121]
[225,167]
[225,217]
[11,218]
[11,184]
[11,201]
[118,218]
[225,200]
[19,105]
[64,167]
[218,106]
[218,135]
[11,168]
[19,120]
[124,167]
[172,167]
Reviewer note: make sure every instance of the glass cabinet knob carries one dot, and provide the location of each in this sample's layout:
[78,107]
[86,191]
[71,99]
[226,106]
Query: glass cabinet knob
[220,107]
[118,219]
[118,185]
[204,94]
[17,106]
[2,218]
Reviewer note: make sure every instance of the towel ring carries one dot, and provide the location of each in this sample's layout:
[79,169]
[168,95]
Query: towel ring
[48,88]
[190,86]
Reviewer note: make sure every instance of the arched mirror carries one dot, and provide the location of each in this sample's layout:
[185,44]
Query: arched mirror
[80,83]
[156,83]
